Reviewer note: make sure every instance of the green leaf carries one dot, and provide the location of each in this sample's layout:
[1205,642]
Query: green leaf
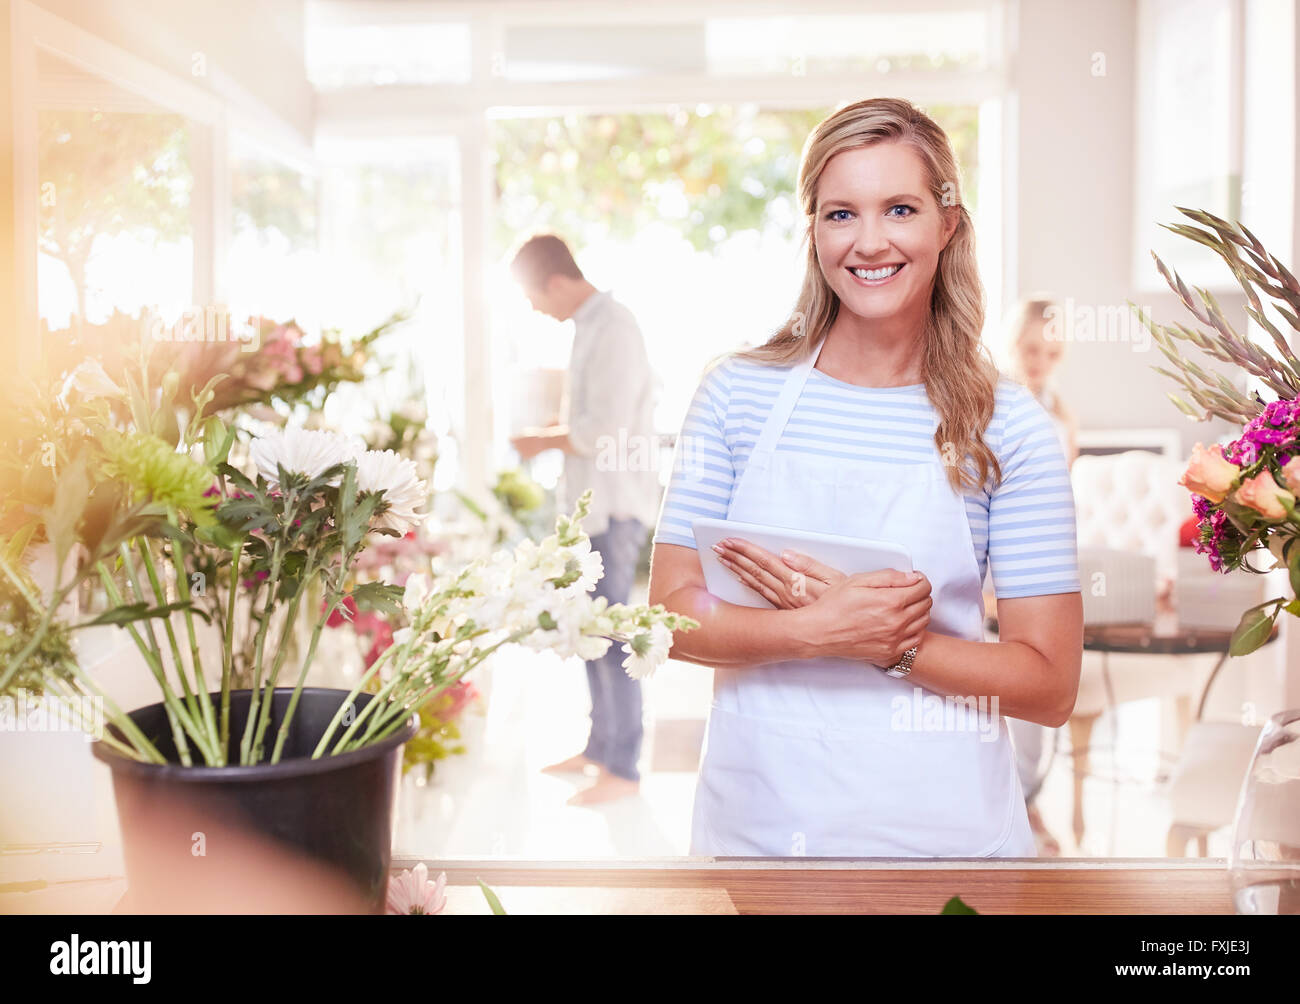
[17,544]
[491,897]
[130,612]
[1182,406]
[380,597]
[1253,630]
[71,494]
[956,906]
[1293,567]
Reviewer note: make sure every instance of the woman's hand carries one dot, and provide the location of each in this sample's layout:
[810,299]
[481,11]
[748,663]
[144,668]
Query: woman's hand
[875,616]
[793,580]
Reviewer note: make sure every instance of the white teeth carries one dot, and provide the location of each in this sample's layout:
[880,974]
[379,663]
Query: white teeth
[879,273]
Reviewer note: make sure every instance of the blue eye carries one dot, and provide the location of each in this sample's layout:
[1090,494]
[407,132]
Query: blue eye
[910,210]
[831,214]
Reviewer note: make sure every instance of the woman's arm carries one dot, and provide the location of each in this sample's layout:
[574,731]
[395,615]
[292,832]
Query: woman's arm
[728,635]
[875,617]
[1032,669]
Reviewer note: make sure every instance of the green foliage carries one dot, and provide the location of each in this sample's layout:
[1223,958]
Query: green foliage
[20,619]
[491,897]
[957,906]
[710,172]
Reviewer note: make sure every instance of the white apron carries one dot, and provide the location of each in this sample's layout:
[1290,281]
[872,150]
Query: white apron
[831,757]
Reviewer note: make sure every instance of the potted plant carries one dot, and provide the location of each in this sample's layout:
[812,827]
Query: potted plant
[187,550]
[1244,492]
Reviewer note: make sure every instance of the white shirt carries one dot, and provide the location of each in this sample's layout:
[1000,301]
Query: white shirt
[609,409]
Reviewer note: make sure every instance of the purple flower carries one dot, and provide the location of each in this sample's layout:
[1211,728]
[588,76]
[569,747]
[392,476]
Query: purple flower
[1274,426]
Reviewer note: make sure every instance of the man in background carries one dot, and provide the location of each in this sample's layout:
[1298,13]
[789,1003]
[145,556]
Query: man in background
[606,430]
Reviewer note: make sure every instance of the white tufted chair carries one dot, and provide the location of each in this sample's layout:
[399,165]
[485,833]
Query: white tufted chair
[1131,502]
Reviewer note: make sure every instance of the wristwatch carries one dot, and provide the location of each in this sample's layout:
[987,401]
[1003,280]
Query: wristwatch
[904,665]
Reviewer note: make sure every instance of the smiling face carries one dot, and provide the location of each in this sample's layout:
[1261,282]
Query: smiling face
[875,213]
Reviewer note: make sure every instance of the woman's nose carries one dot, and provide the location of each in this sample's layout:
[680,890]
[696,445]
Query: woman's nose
[870,240]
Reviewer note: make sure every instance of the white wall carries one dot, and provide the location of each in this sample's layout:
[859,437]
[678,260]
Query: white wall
[1075,166]
[258,44]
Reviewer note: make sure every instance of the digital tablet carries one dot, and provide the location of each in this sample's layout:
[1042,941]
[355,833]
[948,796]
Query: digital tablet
[850,555]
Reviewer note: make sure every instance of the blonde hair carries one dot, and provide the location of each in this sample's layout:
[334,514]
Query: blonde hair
[960,376]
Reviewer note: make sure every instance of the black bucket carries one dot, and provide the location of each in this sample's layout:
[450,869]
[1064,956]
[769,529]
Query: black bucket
[325,824]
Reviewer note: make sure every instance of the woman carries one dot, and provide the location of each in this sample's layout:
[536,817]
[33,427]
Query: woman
[1035,358]
[873,414]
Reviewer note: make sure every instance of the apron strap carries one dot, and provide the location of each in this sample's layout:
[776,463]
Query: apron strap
[783,409]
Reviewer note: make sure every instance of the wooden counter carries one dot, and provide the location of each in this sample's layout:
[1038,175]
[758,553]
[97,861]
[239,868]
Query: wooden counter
[838,886]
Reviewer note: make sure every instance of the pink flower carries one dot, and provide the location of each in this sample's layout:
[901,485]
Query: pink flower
[1209,474]
[1291,474]
[1265,496]
[413,893]
[311,360]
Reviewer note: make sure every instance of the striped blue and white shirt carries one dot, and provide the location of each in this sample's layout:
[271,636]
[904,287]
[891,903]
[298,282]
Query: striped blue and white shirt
[1026,526]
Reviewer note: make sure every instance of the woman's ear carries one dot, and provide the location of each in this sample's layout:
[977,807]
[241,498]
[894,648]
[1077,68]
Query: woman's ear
[949,227]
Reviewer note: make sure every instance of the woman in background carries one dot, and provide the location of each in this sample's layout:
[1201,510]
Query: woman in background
[1036,353]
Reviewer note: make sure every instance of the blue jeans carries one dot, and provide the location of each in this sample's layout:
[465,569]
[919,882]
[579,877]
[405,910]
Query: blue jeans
[616,732]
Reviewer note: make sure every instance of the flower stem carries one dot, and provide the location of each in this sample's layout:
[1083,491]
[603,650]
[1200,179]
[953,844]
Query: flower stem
[143,748]
[259,647]
[176,714]
[160,595]
[349,701]
[268,695]
[302,675]
[228,650]
[200,680]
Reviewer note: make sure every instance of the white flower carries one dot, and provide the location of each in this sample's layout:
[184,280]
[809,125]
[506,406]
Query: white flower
[418,587]
[591,568]
[88,381]
[300,451]
[398,479]
[645,652]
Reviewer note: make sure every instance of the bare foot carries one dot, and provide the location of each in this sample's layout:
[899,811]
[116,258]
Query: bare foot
[608,788]
[573,765]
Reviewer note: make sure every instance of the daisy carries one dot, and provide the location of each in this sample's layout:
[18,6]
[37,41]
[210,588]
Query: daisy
[307,452]
[413,893]
[395,476]
[646,651]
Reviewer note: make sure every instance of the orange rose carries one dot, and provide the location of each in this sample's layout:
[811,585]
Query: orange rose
[1291,474]
[1208,474]
[1265,496]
